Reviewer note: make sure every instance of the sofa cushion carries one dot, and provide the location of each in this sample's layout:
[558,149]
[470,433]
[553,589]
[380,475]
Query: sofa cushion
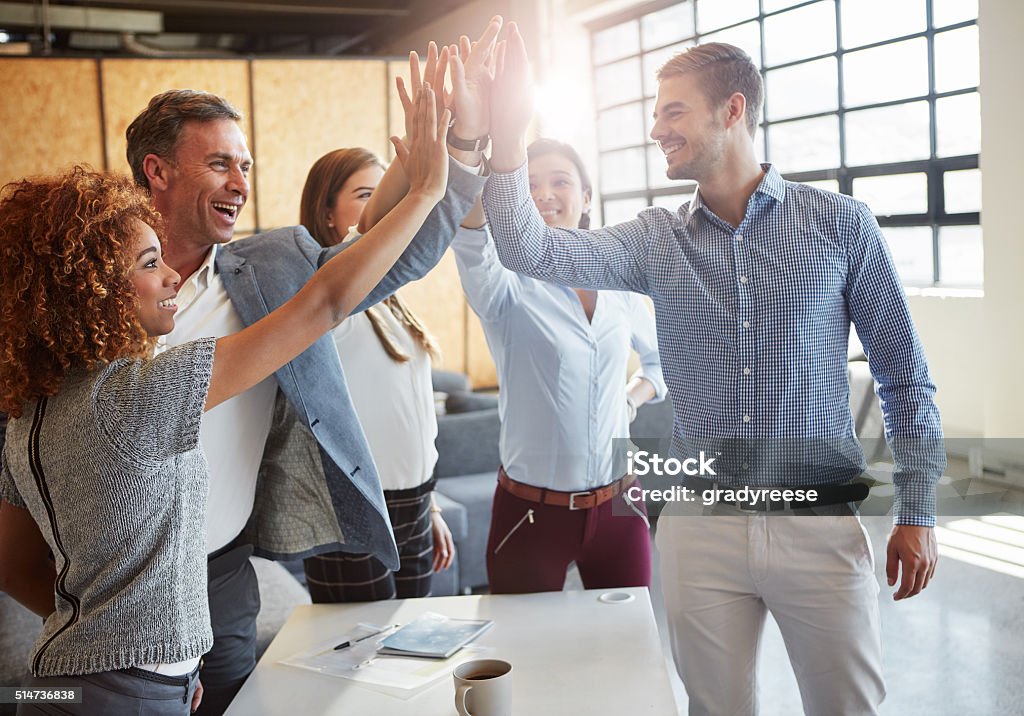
[467,443]
[465,401]
[475,493]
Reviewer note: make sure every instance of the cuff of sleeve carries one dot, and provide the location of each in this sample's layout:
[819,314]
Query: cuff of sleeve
[475,171]
[914,503]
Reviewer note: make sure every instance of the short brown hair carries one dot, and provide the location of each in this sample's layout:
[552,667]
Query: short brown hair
[723,69]
[67,300]
[159,126]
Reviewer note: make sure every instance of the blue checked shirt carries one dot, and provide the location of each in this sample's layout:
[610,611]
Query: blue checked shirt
[753,325]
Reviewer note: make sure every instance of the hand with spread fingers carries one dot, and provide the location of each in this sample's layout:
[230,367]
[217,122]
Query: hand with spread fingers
[433,72]
[424,155]
[511,103]
[472,71]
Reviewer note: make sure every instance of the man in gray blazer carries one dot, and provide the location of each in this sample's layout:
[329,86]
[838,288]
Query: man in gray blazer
[291,471]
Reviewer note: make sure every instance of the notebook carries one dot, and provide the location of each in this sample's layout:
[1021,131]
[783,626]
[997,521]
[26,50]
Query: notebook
[434,636]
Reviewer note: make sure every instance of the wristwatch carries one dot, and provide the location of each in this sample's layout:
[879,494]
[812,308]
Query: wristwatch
[467,145]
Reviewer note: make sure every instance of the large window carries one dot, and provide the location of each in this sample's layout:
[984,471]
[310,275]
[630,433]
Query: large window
[873,98]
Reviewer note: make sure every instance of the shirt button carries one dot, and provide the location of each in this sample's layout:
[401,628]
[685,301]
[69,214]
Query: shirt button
[746,418]
[746,466]
[739,237]
[746,371]
[746,324]
[743,279]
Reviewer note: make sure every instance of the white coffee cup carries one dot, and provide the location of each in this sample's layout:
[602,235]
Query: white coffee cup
[483,687]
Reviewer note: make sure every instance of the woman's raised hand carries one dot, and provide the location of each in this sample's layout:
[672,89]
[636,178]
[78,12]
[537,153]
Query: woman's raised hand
[424,153]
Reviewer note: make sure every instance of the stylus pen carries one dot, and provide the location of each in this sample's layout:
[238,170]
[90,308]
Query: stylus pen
[350,642]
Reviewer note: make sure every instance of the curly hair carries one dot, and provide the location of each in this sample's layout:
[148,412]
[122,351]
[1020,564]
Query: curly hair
[67,300]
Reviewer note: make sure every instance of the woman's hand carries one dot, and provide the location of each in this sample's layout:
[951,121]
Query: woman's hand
[424,154]
[444,545]
[433,73]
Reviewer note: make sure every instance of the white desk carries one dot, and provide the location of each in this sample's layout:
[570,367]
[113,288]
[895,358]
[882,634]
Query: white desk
[571,654]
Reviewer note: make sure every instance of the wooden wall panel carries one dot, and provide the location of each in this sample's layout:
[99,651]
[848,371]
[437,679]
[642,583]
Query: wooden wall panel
[129,84]
[50,117]
[437,299]
[304,109]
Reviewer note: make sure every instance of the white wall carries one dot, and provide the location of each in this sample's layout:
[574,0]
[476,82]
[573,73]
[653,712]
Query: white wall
[1002,158]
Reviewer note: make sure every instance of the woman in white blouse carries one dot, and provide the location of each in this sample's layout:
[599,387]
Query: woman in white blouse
[385,353]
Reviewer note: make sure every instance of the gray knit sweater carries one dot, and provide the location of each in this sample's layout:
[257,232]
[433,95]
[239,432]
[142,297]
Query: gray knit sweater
[112,472]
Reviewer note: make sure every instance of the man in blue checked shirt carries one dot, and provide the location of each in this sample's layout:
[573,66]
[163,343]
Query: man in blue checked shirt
[754,284]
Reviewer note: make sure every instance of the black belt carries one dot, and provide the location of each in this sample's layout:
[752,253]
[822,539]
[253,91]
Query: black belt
[826,495]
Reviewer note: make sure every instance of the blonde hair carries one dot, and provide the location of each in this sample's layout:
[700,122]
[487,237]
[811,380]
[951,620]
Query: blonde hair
[325,179]
[722,69]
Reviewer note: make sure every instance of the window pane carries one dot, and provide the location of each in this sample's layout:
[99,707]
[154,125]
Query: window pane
[746,37]
[617,83]
[887,134]
[656,167]
[801,33]
[802,89]
[804,145]
[958,125]
[773,5]
[885,73]
[713,14]
[866,21]
[947,12]
[911,249]
[648,118]
[674,201]
[961,256]
[893,194]
[668,25]
[962,191]
[653,62]
[616,42]
[618,210]
[620,127]
[956,59]
[622,170]
[827,184]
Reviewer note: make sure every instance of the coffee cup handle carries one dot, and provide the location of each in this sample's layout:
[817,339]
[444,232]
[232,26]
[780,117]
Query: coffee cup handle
[460,699]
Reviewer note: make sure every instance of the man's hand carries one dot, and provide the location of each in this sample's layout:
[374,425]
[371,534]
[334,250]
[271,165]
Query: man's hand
[511,103]
[917,551]
[472,70]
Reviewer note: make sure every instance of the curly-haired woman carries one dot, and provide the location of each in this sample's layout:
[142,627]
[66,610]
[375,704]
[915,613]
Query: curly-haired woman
[102,466]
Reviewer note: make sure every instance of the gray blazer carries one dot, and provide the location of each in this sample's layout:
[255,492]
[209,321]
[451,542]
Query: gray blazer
[318,488]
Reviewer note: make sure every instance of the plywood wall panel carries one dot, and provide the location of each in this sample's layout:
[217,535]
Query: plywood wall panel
[305,108]
[50,117]
[129,84]
[437,299]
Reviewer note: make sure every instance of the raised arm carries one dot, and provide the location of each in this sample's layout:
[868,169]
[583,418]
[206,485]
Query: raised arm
[469,99]
[490,288]
[612,258]
[247,357]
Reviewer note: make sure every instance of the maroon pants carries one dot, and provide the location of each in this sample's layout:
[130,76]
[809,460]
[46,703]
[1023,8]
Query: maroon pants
[530,552]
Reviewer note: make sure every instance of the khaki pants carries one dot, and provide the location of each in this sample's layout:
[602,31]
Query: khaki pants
[724,572]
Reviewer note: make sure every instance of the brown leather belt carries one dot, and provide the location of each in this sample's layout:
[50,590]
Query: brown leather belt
[573,500]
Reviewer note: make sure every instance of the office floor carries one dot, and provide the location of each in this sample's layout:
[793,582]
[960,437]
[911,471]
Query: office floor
[957,649]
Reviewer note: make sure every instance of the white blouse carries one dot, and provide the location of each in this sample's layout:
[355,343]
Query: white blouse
[394,401]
